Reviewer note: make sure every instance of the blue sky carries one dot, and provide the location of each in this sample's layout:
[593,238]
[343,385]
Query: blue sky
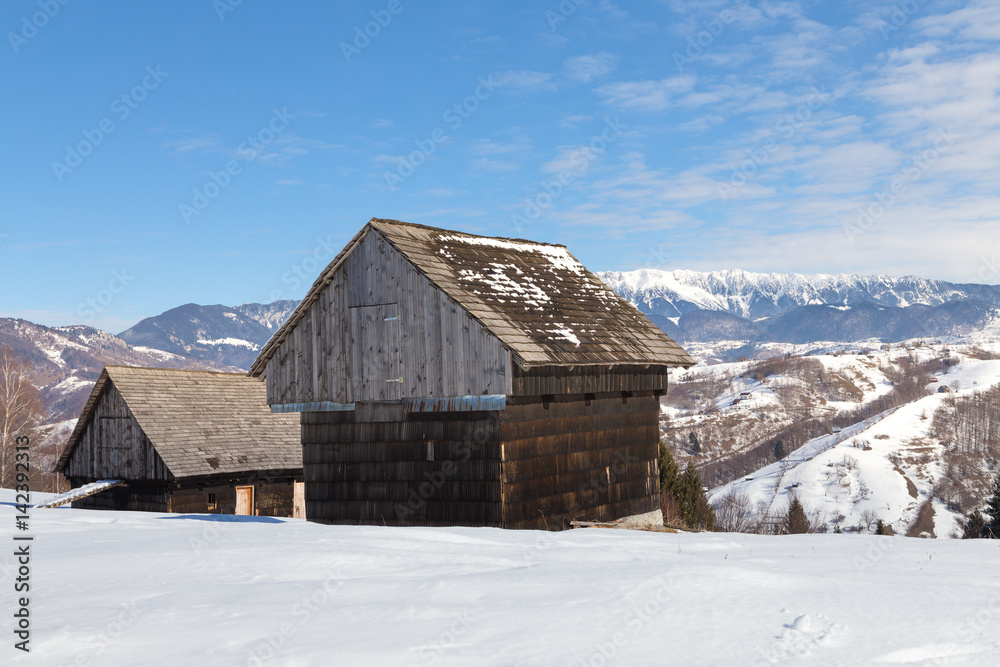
[160,153]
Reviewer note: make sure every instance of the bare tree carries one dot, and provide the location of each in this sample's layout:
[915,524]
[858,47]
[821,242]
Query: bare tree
[21,409]
[734,512]
[869,518]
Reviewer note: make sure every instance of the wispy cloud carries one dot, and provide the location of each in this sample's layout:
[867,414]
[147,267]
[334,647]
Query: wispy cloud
[647,95]
[587,67]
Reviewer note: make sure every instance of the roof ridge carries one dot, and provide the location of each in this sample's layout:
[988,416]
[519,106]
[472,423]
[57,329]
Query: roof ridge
[177,370]
[403,223]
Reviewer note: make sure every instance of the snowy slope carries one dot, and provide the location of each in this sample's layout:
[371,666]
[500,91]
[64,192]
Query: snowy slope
[888,466]
[119,588]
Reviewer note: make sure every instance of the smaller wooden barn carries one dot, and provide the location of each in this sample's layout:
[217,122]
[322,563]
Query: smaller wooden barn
[185,441]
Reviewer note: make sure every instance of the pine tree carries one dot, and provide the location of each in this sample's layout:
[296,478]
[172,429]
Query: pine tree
[975,526]
[695,509]
[992,517]
[693,441]
[668,469]
[683,498]
[779,450]
[796,521]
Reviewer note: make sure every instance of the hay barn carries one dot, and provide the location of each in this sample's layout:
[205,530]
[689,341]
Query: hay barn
[450,379]
[185,441]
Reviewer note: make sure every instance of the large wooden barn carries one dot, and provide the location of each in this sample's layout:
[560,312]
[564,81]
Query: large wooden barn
[185,441]
[450,379]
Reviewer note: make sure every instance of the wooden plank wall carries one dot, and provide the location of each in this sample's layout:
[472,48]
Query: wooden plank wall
[442,350]
[428,469]
[586,458]
[540,381]
[113,446]
[270,499]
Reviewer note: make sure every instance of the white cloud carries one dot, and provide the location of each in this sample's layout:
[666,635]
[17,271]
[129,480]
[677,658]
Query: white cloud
[585,68]
[647,95]
[523,80]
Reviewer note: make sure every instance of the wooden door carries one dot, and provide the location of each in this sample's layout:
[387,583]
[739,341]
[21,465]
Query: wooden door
[299,501]
[244,500]
[376,374]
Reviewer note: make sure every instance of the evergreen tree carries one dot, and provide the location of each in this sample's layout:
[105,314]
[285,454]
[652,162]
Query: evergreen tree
[975,526]
[683,496]
[796,521]
[697,513]
[779,450]
[992,516]
[668,469]
[693,441]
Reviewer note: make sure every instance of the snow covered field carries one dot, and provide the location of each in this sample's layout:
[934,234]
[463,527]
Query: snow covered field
[121,588]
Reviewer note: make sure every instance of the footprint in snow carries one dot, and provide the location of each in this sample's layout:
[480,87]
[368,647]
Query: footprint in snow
[800,638]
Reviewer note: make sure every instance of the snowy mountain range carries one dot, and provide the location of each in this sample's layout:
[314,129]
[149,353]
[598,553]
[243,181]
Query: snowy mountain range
[796,308]
[67,360]
[230,336]
[691,306]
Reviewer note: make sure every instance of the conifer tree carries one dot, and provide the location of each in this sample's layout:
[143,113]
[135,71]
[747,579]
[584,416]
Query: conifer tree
[991,526]
[683,496]
[796,521]
[779,450]
[975,526]
[693,441]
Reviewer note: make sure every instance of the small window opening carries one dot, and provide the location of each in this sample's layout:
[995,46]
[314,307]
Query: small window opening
[211,502]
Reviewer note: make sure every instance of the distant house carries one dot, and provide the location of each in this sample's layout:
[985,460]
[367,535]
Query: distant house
[185,441]
[450,379]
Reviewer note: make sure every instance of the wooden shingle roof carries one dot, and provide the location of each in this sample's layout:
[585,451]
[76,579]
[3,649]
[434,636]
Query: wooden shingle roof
[545,306]
[201,422]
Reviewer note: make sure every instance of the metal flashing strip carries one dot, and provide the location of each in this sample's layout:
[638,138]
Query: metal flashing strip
[319,406]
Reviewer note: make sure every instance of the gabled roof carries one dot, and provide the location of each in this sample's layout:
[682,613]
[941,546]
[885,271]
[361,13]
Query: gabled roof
[545,306]
[201,422]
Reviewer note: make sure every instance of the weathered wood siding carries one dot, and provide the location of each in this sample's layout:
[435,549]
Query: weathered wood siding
[438,349]
[425,469]
[136,497]
[549,380]
[113,446]
[579,457]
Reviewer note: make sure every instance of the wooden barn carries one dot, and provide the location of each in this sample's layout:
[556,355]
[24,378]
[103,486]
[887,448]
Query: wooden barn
[185,441]
[450,379]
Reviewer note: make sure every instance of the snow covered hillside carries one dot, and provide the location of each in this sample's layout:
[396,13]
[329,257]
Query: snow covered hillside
[120,588]
[865,435]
